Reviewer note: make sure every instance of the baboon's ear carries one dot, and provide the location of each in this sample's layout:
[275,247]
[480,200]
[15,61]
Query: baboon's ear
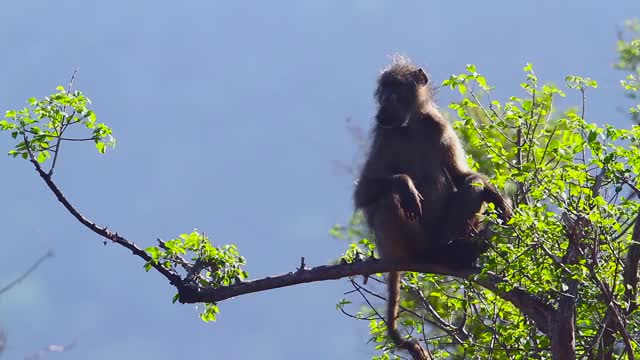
[420,77]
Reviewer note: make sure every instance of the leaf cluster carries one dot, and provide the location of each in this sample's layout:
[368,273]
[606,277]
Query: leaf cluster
[41,127]
[205,265]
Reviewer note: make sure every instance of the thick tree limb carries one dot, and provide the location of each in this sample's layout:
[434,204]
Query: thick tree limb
[537,310]
[534,308]
[302,276]
[563,334]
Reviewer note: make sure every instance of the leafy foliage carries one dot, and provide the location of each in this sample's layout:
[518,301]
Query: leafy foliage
[40,128]
[629,62]
[573,183]
[207,266]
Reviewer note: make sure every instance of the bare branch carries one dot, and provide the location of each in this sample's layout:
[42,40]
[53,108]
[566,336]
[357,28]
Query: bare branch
[534,308]
[171,275]
[633,187]
[73,78]
[79,139]
[24,275]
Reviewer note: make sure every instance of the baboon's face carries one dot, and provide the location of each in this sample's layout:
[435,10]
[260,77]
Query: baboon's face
[397,97]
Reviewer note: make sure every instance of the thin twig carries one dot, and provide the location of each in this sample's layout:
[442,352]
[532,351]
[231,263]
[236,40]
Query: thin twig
[24,275]
[62,126]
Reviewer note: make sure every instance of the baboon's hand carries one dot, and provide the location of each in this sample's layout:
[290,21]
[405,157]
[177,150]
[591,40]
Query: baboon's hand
[407,197]
[502,203]
[507,211]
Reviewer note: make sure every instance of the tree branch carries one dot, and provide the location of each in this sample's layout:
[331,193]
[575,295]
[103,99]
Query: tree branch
[171,275]
[24,275]
[615,317]
[563,334]
[534,308]
[537,310]
[630,273]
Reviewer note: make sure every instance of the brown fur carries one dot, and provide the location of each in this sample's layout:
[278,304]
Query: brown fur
[419,196]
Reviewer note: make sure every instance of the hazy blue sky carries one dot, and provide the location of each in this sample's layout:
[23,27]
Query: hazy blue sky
[230,117]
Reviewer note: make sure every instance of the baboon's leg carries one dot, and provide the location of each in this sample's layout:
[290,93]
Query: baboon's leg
[452,236]
[397,238]
[461,217]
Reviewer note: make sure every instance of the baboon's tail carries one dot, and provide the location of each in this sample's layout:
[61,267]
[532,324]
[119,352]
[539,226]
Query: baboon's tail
[413,347]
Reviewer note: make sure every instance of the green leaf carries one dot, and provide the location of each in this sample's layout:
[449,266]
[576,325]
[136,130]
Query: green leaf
[153,251]
[471,68]
[42,156]
[482,82]
[5,125]
[210,313]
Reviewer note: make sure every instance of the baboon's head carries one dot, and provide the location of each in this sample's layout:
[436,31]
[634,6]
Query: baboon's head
[402,90]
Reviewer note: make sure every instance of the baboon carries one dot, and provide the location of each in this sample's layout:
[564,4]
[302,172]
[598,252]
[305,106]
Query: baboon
[420,198]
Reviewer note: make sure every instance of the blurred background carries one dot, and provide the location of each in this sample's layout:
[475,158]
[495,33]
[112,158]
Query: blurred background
[231,117]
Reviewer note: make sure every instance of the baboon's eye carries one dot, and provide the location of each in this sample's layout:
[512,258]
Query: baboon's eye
[395,86]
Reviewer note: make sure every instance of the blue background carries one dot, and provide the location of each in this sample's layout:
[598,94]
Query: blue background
[230,117]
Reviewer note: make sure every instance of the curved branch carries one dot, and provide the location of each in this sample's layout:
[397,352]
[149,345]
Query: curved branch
[28,272]
[171,275]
